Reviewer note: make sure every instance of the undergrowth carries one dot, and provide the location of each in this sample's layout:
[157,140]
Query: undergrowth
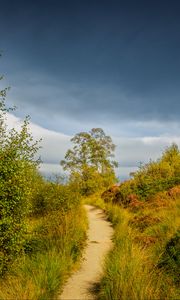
[141,264]
[52,250]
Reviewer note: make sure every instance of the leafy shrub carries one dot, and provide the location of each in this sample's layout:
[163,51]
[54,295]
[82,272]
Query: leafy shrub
[50,196]
[17,163]
[170,260]
[150,179]
[174,192]
[109,195]
[142,222]
[159,176]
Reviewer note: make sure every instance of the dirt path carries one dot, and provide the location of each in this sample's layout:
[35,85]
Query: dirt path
[81,283]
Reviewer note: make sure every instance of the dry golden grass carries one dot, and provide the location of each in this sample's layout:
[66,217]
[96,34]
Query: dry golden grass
[41,274]
[131,269]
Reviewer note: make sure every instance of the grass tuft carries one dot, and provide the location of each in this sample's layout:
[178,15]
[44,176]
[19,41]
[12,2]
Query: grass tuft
[145,240]
[54,247]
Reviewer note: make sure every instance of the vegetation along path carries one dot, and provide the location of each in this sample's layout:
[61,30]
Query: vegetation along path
[80,285]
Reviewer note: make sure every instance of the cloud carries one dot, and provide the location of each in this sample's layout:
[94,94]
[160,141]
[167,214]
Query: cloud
[111,65]
[116,68]
[55,102]
[130,151]
[54,144]
[50,169]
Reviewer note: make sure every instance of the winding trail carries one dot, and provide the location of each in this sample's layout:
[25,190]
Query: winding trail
[80,284]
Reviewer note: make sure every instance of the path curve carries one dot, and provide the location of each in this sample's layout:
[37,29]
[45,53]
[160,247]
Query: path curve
[80,284]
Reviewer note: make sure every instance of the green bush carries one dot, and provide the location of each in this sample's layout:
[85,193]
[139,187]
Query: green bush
[150,179]
[158,176]
[17,163]
[170,260]
[50,196]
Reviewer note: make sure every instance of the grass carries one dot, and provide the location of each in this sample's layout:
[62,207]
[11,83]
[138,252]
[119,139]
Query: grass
[54,247]
[134,269]
[95,199]
[131,269]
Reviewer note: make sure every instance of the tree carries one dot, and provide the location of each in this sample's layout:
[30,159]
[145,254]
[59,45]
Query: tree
[90,161]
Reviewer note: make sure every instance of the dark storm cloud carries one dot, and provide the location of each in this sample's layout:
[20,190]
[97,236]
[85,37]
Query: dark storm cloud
[93,102]
[99,59]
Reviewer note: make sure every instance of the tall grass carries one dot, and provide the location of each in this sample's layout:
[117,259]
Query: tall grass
[54,247]
[131,269]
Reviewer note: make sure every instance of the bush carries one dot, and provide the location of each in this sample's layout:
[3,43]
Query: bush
[17,163]
[158,176]
[142,222]
[50,196]
[170,260]
[150,179]
[109,195]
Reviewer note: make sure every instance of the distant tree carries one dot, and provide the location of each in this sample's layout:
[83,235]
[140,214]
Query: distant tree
[90,160]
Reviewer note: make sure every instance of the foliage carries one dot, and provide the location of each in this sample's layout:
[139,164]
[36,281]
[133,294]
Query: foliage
[53,247]
[170,259]
[50,196]
[17,163]
[42,224]
[150,179]
[159,176]
[144,262]
[90,161]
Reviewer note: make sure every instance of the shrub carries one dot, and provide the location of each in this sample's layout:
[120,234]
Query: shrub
[142,222]
[109,195]
[17,163]
[150,179]
[50,196]
[170,259]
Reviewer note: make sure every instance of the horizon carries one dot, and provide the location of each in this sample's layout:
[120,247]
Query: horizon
[87,64]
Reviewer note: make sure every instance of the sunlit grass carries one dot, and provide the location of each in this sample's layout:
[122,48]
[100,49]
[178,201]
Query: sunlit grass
[41,273]
[131,269]
[95,199]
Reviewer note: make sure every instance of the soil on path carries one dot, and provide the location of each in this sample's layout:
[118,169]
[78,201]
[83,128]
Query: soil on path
[80,284]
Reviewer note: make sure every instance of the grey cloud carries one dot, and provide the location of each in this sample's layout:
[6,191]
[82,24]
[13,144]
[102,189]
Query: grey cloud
[129,152]
[116,63]
[47,98]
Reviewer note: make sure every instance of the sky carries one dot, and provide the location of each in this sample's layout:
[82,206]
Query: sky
[75,65]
